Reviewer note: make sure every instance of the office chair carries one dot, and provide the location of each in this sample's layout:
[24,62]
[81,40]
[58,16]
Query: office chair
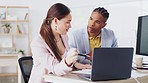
[25,64]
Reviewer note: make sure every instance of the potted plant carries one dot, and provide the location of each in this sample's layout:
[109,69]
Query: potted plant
[6,27]
[21,52]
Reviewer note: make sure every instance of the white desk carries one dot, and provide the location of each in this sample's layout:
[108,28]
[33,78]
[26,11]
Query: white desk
[73,78]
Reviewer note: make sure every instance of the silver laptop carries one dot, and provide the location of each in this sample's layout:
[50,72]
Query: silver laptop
[110,64]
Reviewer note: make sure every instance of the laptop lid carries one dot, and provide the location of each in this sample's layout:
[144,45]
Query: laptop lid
[111,63]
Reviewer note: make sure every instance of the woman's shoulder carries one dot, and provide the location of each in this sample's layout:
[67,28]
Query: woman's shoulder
[37,40]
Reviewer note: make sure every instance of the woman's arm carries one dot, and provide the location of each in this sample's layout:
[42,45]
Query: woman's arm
[44,60]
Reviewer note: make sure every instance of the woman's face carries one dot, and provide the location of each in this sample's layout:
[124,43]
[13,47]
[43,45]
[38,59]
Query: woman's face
[64,24]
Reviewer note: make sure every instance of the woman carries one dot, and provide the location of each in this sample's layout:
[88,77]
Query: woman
[50,50]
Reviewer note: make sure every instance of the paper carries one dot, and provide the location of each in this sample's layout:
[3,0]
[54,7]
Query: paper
[84,71]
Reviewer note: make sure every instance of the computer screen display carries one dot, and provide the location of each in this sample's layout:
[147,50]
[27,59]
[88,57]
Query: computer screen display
[142,36]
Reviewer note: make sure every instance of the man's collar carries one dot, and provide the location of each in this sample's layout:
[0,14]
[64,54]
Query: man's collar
[98,36]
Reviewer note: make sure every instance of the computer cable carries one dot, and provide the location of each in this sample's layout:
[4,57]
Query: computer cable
[136,80]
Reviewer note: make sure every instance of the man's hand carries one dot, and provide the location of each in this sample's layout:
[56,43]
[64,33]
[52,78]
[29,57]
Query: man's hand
[82,66]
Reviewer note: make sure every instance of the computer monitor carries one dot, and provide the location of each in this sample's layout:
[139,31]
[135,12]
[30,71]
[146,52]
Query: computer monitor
[142,36]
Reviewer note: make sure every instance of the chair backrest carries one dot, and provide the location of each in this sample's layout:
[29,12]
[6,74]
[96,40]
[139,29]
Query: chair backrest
[25,64]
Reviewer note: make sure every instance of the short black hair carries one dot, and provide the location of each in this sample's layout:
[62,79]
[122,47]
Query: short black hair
[102,11]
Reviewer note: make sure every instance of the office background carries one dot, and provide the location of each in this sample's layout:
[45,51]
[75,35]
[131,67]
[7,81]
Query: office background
[123,15]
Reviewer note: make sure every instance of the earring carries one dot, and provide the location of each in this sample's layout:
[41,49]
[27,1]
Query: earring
[56,28]
[47,22]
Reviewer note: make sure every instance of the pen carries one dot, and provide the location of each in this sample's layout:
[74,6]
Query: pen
[85,55]
[143,68]
[145,64]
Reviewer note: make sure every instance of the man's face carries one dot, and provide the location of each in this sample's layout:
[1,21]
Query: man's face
[96,22]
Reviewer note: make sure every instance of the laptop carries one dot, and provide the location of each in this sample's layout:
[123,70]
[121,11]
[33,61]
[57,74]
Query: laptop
[110,64]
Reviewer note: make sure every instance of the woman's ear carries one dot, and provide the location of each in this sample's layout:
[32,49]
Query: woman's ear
[55,21]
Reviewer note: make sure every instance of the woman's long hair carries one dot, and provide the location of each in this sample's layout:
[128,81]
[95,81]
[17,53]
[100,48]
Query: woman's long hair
[59,11]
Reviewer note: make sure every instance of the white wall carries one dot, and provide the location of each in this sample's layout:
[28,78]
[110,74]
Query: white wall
[123,15]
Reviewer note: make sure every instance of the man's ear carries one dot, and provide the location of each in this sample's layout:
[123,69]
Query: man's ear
[104,25]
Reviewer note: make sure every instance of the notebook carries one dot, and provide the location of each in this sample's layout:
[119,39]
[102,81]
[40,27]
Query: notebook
[110,64]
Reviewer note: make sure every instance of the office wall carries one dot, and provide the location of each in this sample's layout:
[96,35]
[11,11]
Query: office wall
[123,15]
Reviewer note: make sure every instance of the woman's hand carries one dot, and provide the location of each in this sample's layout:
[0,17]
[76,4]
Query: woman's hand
[72,56]
[82,66]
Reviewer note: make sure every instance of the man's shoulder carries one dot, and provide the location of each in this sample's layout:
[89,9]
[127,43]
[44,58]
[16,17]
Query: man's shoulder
[77,30]
[107,30]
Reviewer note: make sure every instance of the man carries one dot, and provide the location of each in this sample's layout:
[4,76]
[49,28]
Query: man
[94,35]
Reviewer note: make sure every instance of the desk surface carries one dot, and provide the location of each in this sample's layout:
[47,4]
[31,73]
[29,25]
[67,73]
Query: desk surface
[73,78]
